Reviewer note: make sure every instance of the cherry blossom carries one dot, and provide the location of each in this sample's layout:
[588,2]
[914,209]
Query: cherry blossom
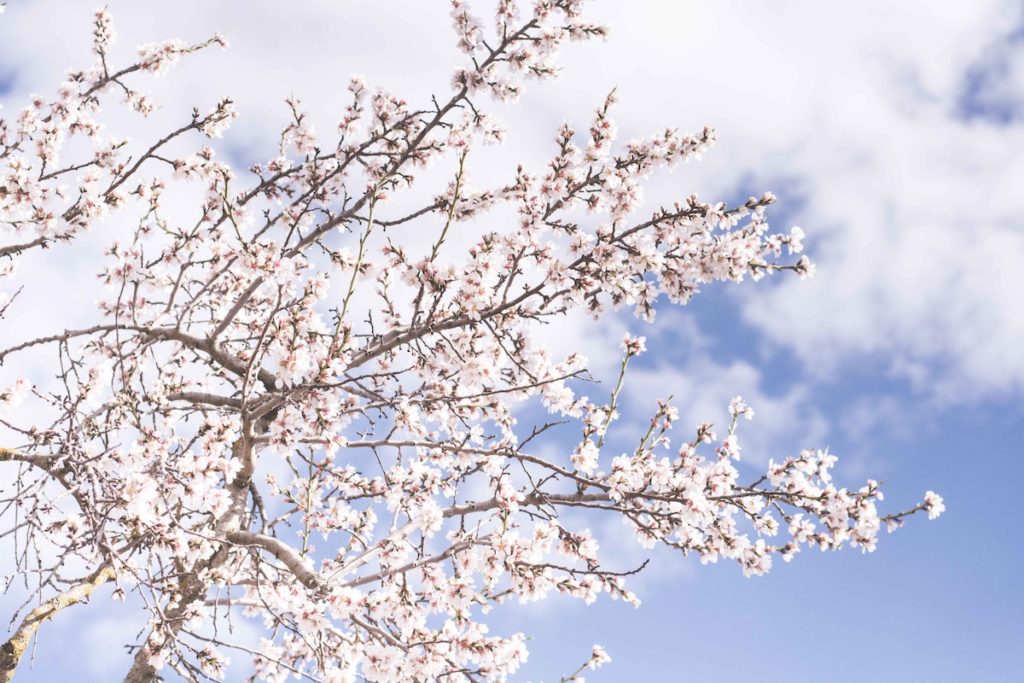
[288,411]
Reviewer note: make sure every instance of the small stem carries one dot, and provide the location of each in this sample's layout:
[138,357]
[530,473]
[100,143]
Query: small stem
[363,239]
[614,400]
[451,208]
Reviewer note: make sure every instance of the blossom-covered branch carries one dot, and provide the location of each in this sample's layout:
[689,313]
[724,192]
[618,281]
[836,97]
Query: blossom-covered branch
[294,408]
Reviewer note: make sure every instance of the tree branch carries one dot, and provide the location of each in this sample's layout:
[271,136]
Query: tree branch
[12,651]
[297,565]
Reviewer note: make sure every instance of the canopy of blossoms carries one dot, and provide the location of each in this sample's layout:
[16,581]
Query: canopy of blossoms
[288,413]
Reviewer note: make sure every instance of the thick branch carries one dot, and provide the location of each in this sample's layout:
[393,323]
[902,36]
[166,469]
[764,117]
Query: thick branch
[296,564]
[12,651]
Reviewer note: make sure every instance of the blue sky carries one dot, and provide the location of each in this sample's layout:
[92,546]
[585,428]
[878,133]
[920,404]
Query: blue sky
[901,160]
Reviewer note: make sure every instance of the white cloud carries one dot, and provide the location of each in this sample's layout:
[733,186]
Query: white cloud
[913,209]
